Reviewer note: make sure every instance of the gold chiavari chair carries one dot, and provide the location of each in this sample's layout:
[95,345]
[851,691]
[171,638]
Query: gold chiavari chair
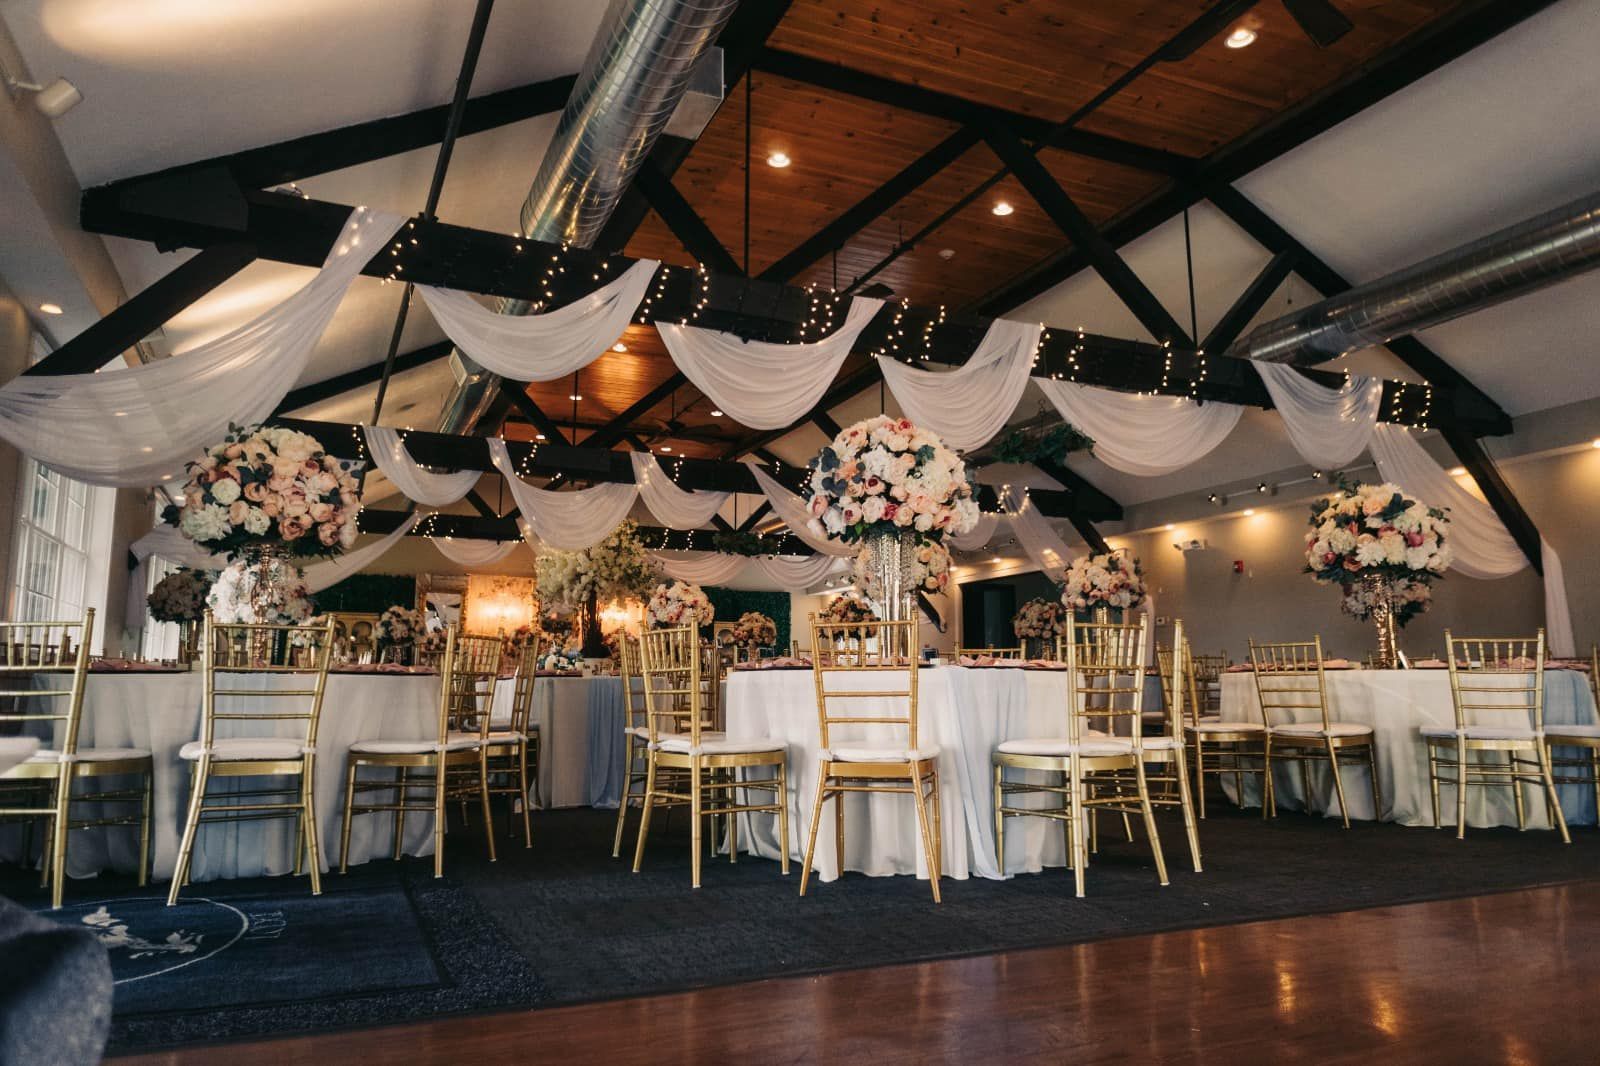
[472,719]
[1498,679]
[896,761]
[1105,684]
[1166,749]
[706,761]
[993,653]
[1583,769]
[1206,672]
[635,733]
[509,747]
[41,787]
[1236,748]
[796,650]
[464,672]
[1290,680]
[300,656]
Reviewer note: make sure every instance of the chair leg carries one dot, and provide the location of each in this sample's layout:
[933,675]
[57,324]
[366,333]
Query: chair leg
[1594,776]
[999,819]
[811,834]
[300,835]
[1377,789]
[1550,793]
[350,802]
[1338,782]
[733,819]
[1515,772]
[1186,802]
[522,794]
[644,813]
[401,791]
[146,821]
[1305,782]
[61,824]
[1149,813]
[1075,793]
[1461,788]
[927,832]
[483,795]
[1269,791]
[696,813]
[938,824]
[1433,781]
[838,832]
[197,791]
[308,804]
[783,818]
[439,783]
[629,770]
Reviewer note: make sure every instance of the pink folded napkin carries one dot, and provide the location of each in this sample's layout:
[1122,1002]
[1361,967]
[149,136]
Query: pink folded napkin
[133,666]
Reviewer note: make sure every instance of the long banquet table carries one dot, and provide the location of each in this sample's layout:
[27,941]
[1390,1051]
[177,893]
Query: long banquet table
[1398,704]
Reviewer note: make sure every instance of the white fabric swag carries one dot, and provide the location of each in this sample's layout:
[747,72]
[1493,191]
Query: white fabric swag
[700,568]
[167,542]
[470,553]
[327,574]
[977,536]
[1143,435]
[673,507]
[135,426]
[796,572]
[792,510]
[1042,543]
[570,521]
[761,384]
[1329,427]
[547,346]
[414,482]
[793,573]
[1479,540]
[969,405]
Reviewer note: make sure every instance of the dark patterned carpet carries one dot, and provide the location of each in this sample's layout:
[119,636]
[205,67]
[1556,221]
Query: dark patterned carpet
[564,922]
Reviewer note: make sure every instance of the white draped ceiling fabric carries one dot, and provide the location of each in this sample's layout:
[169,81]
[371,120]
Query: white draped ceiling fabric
[792,510]
[761,384]
[792,573]
[414,482]
[325,575]
[969,405]
[1329,427]
[470,553]
[546,346]
[1142,435]
[673,507]
[1033,531]
[977,536]
[1479,540]
[571,521]
[149,420]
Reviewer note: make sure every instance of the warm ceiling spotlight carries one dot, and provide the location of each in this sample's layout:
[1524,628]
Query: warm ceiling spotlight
[50,309]
[947,254]
[1457,471]
[1597,442]
[619,347]
[538,436]
[1002,209]
[666,447]
[52,100]
[1248,511]
[1169,527]
[779,160]
[1261,487]
[997,560]
[1316,475]
[716,414]
[1243,37]
[574,397]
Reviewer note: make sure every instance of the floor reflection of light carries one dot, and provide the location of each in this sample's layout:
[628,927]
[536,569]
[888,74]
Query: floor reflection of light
[1286,998]
[1384,1016]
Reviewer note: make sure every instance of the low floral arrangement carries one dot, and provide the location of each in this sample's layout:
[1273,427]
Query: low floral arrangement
[677,603]
[1374,530]
[929,572]
[430,642]
[1408,598]
[242,593]
[618,567]
[1040,619]
[884,475]
[754,630]
[268,487]
[1110,580]
[303,639]
[398,625]
[512,643]
[180,596]
[846,610]
[561,660]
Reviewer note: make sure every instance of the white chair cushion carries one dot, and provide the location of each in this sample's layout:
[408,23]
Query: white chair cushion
[92,755]
[878,754]
[719,745]
[240,748]
[496,736]
[1060,747]
[410,747]
[1217,725]
[638,731]
[1483,732]
[1555,731]
[1314,729]
[1161,743]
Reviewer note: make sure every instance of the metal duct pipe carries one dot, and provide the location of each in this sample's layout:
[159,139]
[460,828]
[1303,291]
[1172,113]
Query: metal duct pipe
[1519,259]
[630,84]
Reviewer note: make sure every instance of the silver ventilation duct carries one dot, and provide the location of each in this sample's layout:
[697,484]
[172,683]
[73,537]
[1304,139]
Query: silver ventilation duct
[1530,255]
[636,73]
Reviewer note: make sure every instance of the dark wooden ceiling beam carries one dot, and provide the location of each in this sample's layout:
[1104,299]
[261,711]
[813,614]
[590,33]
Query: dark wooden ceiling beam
[379,521]
[1250,302]
[683,220]
[517,393]
[1504,502]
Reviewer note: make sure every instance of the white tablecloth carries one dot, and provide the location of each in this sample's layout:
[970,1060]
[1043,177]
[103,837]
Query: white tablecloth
[967,712]
[1398,704]
[561,714]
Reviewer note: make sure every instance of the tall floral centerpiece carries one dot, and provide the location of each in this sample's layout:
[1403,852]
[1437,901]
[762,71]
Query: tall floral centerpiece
[754,630]
[1383,550]
[897,491]
[397,632]
[617,567]
[678,603]
[1112,580]
[1039,623]
[181,597]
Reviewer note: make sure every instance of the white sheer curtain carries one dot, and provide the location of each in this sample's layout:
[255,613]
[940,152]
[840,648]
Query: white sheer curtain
[1042,543]
[977,536]
[167,542]
[673,507]
[700,568]
[1329,427]
[135,426]
[1482,546]
[546,346]
[425,487]
[795,572]
[324,575]
[760,384]
[1142,435]
[792,510]
[470,553]
[571,521]
[969,405]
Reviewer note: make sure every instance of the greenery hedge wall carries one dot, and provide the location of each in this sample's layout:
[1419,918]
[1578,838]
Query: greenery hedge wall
[368,593]
[731,603]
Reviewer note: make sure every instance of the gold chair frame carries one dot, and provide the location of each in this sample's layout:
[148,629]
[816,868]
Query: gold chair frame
[702,778]
[1168,749]
[842,649]
[258,648]
[635,733]
[1288,674]
[1585,769]
[50,648]
[1229,748]
[1472,658]
[468,664]
[508,752]
[1108,652]
[996,653]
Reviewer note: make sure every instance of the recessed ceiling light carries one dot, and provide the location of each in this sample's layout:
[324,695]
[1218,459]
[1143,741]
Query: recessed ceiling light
[1002,209]
[619,347]
[947,253]
[1169,526]
[1457,471]
[778,160]
[666,447]
[1243,37]
[1597,442]
[1248,511]
[718,414]
[538,436]
[574,397]
[997,559]
[50,309]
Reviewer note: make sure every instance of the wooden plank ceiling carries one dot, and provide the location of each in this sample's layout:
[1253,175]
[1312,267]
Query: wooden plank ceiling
[1038,59]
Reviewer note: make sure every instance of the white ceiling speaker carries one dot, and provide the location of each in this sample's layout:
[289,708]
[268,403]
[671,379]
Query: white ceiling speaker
[52,100]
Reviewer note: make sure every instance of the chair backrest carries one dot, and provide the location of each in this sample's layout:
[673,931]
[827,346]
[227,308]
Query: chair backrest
[523,683]
[1205,673]
[232,649]
[635,712]
[885,653]
[1108,660]
[59,650]
[1494,680]
[796,650]
[673,666]
[468,675]
[1177,680]
[993,653]
[1289,679]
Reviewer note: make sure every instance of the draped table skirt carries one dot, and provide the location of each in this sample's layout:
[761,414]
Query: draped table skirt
[1399,704]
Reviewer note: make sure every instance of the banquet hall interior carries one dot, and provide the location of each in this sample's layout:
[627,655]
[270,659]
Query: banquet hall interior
[656,530]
